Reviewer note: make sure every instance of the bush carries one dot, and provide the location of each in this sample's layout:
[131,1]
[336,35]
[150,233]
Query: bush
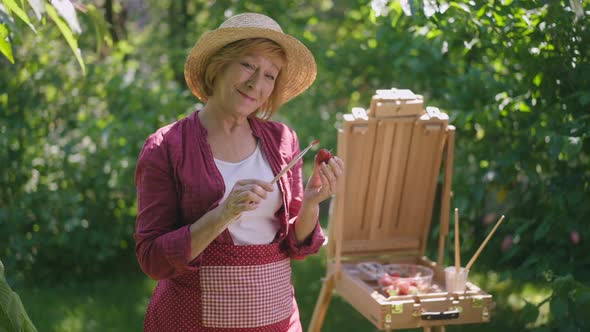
[69,145]
[568,305]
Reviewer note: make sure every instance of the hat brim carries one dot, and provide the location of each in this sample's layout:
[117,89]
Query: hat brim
[299,73]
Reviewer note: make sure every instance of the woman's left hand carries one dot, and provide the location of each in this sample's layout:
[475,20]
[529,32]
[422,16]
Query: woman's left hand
[324,181]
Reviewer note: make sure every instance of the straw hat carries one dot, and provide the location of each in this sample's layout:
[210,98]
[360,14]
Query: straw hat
[299,73]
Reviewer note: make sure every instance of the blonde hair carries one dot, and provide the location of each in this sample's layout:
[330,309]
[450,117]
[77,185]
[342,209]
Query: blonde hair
[230,52]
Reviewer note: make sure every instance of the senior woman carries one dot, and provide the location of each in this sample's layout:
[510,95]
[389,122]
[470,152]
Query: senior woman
[212,228]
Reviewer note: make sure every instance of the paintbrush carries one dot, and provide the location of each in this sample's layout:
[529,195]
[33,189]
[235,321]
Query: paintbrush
[292,163]
[483,244]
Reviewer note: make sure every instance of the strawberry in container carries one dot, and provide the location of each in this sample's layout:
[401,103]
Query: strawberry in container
[405,279]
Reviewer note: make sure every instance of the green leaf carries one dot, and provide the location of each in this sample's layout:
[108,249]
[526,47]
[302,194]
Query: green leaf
[481,12]
[13,7]
[555,146]
[500,21]
[530,313]
[5,46]
[461,6]
[583,298]
[38,8]
[582,302]
[6,18]
[558,308]
[68,12]
[67,33]
[523,107]
[538,79]
[542,230]
[100,27]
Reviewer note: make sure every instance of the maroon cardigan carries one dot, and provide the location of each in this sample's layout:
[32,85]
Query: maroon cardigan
[177,183]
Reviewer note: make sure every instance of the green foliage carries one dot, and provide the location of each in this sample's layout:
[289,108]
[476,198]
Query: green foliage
[568,305]
[522,127]
[69,148]
[62,13]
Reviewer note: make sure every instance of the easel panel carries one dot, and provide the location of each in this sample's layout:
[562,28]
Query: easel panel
[360,138]
[417,183]
[395,177]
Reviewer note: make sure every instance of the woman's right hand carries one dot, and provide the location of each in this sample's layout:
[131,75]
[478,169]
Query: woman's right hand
[246,195]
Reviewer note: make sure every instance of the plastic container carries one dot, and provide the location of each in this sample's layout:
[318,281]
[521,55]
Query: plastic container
[406,279]
[455,282]
[370,270]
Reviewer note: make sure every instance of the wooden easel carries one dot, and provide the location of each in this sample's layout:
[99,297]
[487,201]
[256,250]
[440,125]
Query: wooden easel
[393,156]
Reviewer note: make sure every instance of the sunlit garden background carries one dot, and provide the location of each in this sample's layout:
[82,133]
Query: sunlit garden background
[514,76]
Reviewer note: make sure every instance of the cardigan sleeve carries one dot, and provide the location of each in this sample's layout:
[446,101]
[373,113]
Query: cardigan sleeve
[162,247]
[313,243]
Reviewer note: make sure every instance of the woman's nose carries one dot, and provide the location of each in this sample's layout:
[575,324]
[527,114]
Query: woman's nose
[252,80]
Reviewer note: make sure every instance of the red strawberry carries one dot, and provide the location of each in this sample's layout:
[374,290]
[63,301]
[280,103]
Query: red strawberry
[385,280]
[323,156]
[403,287]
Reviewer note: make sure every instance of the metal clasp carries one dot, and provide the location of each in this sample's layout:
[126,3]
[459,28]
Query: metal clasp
[397,308]
[477,302]
[417,310]
[387,321]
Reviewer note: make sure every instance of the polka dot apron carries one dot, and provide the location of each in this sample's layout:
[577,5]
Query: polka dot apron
[237,288]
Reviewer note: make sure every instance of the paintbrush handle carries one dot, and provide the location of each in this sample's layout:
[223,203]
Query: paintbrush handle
[457,247]
[483,244]
[291,163]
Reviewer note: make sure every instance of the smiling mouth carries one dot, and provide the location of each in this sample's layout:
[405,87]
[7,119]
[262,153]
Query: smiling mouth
[246,96]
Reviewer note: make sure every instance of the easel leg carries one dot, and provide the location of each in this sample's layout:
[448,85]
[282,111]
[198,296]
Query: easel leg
[435,328]
[321,306]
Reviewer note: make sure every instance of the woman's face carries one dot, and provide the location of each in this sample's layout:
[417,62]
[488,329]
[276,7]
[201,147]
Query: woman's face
[245,83]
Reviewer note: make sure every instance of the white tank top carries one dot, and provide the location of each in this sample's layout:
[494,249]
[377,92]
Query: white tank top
[259,226]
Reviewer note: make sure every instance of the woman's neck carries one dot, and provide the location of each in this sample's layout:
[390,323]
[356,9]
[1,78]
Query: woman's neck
[229,136]
[222,122]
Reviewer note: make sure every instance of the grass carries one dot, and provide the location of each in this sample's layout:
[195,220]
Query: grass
[118,302]
[108,304]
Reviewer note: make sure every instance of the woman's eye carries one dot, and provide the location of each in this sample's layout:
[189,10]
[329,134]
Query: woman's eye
[247,65]
[270,77]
